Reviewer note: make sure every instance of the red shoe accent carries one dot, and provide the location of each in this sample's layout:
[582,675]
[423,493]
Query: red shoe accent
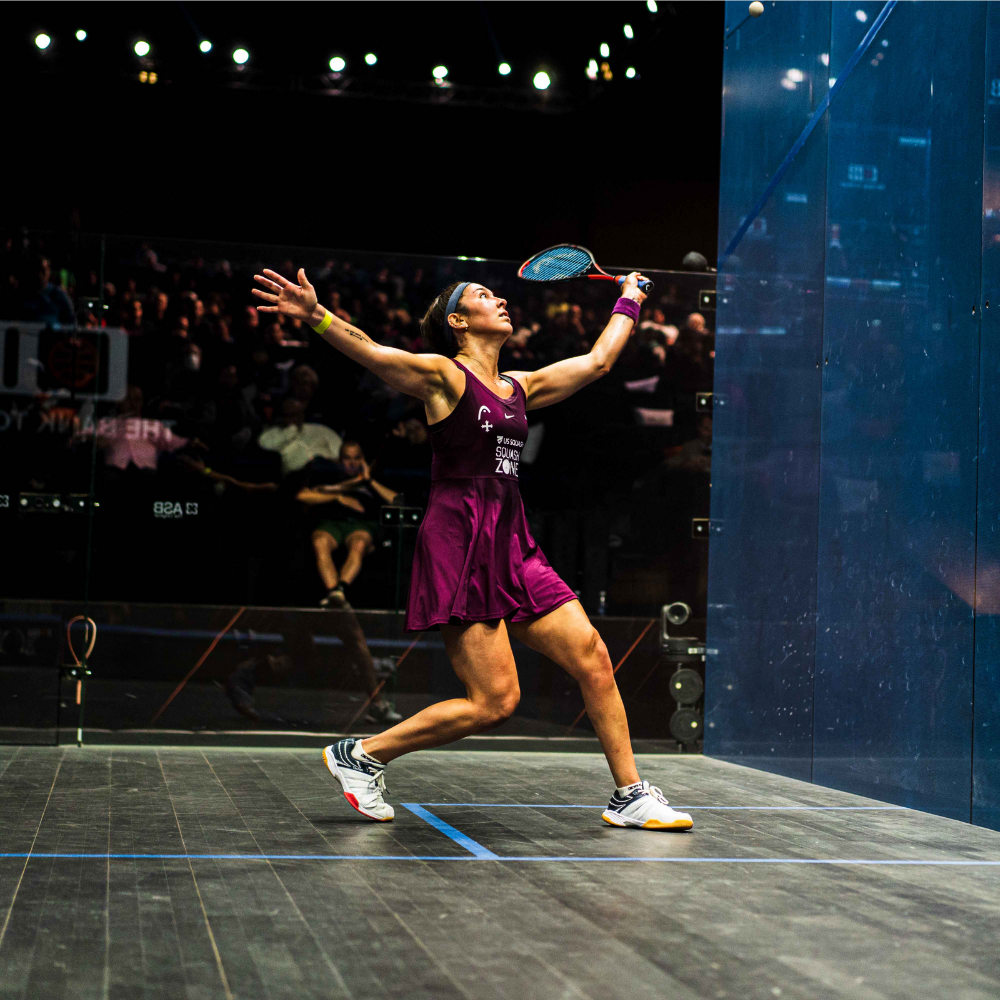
[353,799]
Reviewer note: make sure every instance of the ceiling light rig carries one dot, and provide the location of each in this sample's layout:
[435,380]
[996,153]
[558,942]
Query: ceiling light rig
[241,57]
[338,64]
[42,41]
[205,46]
[141,48]
[371,59]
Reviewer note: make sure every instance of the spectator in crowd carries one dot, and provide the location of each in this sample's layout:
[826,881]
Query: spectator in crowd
[657,326]
[405,461]
[352,525]
[695,455]
[43,301]
[696,322]
[232,418]
[299,443]
[130,441]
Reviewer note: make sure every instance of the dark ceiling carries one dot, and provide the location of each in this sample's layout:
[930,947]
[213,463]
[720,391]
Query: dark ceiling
[377,157]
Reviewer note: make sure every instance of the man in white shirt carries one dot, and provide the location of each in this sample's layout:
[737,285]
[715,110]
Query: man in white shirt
[297,442]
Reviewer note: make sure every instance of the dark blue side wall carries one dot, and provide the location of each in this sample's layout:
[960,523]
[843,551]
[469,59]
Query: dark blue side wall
[851,470]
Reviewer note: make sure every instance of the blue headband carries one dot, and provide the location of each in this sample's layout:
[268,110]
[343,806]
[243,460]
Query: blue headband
[452,305]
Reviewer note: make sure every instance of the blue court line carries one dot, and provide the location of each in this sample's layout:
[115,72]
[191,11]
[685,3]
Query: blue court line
[552,805]
[489,856]
[449,831]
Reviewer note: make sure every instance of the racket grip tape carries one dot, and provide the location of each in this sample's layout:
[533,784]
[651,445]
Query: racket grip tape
[645,286]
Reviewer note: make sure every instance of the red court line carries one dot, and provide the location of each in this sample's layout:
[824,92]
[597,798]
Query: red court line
[177,690]
[364,708]
[583,712]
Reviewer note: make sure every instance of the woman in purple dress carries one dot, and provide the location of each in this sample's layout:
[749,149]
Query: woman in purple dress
[477,573]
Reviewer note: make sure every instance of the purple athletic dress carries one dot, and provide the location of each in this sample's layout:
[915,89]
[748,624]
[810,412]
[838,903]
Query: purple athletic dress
[475,558]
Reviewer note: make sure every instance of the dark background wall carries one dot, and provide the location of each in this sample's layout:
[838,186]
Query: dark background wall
[853,605]
[629,168]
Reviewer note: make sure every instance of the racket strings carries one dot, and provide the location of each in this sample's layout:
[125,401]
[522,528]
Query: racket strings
[557,264]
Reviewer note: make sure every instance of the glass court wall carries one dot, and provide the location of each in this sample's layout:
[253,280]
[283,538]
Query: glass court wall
[145,483]
[852,618]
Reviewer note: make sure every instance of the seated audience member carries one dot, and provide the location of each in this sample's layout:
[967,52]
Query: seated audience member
[695,455]
[349,510]
[696,322]
[333,305]
[657,326]
[233,420]
[303,385]
[130,440]
[297,442]
[44,301]
[405,461]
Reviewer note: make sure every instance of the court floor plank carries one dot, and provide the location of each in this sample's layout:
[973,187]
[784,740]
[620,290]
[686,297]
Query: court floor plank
[207,872]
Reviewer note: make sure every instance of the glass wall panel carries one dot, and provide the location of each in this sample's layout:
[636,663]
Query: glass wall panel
[60,363]
[211,422]
[986,734]
[765,475]
[901,351]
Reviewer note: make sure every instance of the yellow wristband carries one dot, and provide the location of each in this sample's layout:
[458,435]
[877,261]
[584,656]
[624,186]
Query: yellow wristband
[324,323]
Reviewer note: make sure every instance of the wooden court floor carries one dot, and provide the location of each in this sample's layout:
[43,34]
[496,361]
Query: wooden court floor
[145,872]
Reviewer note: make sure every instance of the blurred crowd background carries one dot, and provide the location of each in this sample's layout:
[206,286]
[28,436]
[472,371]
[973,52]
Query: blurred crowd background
[225,416]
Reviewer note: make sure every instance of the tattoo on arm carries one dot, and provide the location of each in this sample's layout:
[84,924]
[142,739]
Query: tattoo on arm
[357,335]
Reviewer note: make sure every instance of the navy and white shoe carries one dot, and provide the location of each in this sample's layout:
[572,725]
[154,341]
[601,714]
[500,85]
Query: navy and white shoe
[363,781]
[646,808]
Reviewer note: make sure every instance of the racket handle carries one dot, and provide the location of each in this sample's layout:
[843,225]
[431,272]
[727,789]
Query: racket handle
[645,286]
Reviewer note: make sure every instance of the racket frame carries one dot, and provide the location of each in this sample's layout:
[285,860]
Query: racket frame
[601,275]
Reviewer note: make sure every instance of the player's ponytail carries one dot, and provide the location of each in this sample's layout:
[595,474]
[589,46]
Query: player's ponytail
[432,325]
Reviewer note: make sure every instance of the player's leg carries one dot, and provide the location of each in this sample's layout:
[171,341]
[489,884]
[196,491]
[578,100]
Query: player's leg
[567,637]
[481,656]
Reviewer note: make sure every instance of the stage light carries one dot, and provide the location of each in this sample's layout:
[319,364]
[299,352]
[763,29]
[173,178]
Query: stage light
[651,6]
[628,30]
[240,56]
[592,69]
[338,64]
[141,48]
[439,72]
[824,58]
[861,16]
[504,69]
[205,46]
[81,35]
[787,84]
[541,80]
[795,75]
[371,58]
[630,72]
[605,50]
[43,41]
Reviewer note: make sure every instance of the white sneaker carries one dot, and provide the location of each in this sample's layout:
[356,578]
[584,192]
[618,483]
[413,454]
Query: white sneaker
[645,808]
[363,783]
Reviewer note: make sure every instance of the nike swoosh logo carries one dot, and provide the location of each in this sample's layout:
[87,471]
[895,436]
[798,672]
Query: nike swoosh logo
[508,415]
